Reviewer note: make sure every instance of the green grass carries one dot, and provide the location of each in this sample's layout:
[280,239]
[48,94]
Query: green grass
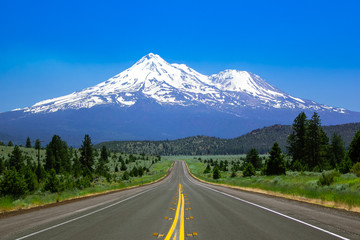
[157,171]
[344,191]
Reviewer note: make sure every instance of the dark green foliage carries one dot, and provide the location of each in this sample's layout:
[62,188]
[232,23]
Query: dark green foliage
[28,143]
[296,139]
[354,149]
[254,158]
[83,182]
[207,169]
[16,159]
[10,144]
[126,176]
[104,154]
[315,145]
[2,165]
[57,156]
[296,166]
[276,164]
[30,179]
[76,167]
[233,174]
[326,179]
[336,150]
[12,183]
[40,172]
[345,165]
[2,143]
[249,170]
[52,183]
[87,157]
[216,172]
[356,169]
[101,168]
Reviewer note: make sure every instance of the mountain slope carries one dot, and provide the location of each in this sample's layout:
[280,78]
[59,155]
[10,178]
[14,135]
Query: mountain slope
[261,139]
[157,100]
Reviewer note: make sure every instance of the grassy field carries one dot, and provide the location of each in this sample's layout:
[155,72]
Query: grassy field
[344,192]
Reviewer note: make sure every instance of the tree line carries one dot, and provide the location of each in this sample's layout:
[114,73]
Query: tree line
[66,168]
[309,149]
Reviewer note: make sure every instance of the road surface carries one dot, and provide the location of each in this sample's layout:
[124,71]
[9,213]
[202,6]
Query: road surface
[179,207]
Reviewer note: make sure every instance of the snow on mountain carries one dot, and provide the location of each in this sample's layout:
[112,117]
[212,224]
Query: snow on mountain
[177,84]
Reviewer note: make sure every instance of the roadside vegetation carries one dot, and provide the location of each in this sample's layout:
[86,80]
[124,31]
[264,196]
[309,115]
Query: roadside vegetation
[315,168]
[33,176]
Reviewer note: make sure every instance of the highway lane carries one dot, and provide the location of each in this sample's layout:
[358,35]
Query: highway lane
[192,209]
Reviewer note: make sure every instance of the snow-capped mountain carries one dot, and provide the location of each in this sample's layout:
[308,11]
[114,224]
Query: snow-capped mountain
[177,84]
[156,100]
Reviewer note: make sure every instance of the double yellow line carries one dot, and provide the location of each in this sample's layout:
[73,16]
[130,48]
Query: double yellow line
[175,226]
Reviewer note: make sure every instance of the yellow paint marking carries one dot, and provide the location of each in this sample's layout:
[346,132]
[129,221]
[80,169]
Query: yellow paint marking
[174,238]
[172,228]
[189,235]
[194,233]
[172,209]
[182,225]
[161,235]
[166,217]
[173,203]
[191,217]
[155,234]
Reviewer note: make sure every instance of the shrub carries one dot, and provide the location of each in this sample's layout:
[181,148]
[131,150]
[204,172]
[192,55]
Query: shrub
[326,179]
[216,173]
[52,183]
[12,184]
[356,169]
[249,170]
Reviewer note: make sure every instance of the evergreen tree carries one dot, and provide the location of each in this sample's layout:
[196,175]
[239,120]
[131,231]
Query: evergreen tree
[52,182]
[354,149]
[12,183]
[207,169]
[16,159]
[216,172]
[87,157]
[104,154]
[249,170]
[336,150]
[276,163]
[76,166]
[2,165]
[57,156]
[315,144]
[296,139]
[28,143]
[10,144]
[30,179]
[254,158]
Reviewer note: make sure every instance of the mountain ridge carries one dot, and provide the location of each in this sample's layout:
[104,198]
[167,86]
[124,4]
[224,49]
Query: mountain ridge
[261,139]
[157,100]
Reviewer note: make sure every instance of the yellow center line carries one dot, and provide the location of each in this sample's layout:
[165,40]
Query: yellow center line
[181,237]
[172,228]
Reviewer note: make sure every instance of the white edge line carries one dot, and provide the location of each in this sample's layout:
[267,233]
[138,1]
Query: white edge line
[88,214]
[267,209]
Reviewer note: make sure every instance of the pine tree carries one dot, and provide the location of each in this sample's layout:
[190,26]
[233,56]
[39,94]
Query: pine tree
[207,169]
[28,143]
[315,144]
[216,172]
[276,164]
[57,156]
[52,182]
[296,139]
[254,158]
[16,159]
[354,149]
[336,150]
[249,170]
[10,144]
[87,156]
[12,183]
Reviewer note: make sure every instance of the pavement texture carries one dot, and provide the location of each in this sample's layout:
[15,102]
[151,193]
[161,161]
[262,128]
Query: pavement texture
[194,210]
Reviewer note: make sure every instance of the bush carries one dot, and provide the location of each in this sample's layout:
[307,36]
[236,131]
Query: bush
[216,173]
[52,183]
[249,170]
[12,184]
[326,179]
[356,169]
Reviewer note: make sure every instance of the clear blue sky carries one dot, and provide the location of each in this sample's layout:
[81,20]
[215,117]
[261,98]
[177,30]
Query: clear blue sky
[309,49]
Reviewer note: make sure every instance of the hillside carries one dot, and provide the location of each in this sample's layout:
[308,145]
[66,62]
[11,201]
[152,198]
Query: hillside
[261,139]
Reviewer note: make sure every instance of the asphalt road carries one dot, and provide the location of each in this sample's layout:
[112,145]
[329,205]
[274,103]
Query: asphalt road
[179,207]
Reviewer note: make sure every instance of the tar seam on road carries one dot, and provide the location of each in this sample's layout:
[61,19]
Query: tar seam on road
[264,208]
[77,218]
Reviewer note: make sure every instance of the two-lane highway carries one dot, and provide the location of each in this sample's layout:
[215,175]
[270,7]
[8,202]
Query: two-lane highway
[180,207]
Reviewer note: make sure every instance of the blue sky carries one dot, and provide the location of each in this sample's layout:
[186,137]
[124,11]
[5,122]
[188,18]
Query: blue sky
[309,49]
